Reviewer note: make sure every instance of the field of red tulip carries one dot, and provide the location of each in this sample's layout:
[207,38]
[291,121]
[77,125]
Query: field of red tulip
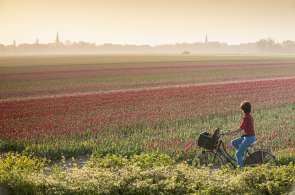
[131,123]
[28,118]
[147,102]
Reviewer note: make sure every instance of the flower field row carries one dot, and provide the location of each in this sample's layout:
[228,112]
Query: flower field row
[53,116]
[38,76]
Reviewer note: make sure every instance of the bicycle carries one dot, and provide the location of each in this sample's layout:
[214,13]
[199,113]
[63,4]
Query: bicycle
[215,154]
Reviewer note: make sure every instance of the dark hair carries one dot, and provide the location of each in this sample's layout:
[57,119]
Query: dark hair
[246,106]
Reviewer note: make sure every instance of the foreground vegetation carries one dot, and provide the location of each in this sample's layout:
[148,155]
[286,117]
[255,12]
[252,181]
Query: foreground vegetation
[148,159]
[139,174]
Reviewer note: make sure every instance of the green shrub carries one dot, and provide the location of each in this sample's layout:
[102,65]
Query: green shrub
[18,162]
[153,173]
[152,160]
[109,161]
[14,169]
[10,146]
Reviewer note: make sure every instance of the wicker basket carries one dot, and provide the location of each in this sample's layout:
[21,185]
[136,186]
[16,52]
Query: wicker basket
[206,141]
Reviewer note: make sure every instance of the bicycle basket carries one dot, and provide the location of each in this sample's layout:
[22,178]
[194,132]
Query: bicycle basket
[206,141]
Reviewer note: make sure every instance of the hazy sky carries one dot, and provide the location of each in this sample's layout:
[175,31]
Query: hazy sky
[146,21]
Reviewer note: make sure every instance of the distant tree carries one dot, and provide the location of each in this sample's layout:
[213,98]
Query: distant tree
[289,44]
[2,48]
[267,44]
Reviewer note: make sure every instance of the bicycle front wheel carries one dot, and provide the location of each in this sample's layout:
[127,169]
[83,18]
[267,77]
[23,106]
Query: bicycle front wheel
[210,159]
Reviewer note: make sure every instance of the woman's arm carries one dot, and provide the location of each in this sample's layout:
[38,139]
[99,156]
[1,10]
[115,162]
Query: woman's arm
[232,132]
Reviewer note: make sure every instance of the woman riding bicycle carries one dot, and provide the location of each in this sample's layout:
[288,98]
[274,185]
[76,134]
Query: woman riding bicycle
[248,138]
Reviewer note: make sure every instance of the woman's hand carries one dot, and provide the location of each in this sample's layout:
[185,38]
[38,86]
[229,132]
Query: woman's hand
[226,132]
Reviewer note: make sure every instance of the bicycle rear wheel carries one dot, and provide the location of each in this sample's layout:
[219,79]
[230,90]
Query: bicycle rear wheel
[260,157]
[210,158]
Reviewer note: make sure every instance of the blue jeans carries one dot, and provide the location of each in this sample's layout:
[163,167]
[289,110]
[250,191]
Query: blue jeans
[241,144]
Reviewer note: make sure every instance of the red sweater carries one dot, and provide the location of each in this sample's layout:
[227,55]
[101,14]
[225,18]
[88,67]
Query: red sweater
[247,125]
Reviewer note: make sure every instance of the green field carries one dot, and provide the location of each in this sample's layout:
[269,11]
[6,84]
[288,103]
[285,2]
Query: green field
[36,76]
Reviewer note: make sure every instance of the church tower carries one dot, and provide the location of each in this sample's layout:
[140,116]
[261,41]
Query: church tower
[57,41]
[14,43]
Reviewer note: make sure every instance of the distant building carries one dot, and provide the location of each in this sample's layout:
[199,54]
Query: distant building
[186,53]
[206,39]
[57,46]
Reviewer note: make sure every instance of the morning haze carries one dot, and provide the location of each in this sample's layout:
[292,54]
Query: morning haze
[146,21]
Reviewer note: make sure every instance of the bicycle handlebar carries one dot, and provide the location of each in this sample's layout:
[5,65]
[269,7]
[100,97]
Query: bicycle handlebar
[224,132]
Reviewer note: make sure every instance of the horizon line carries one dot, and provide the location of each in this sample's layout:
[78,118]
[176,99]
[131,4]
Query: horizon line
[37,42]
